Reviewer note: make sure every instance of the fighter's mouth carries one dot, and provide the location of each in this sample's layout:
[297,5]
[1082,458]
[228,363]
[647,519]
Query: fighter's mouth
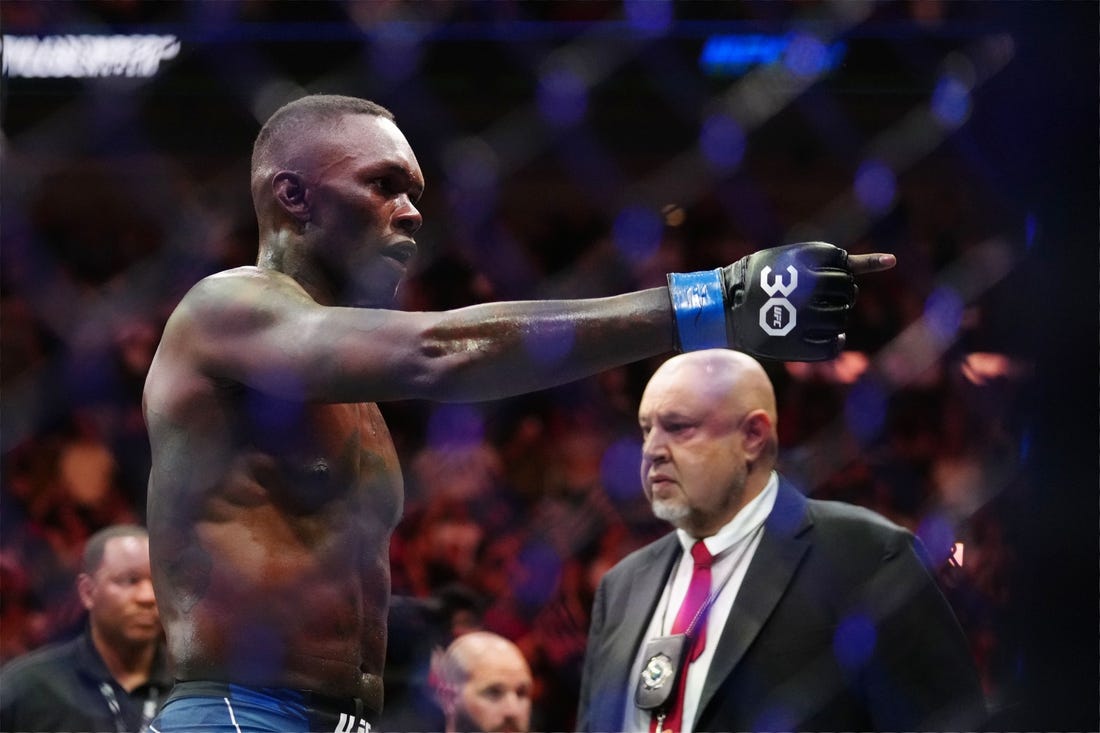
[402,251]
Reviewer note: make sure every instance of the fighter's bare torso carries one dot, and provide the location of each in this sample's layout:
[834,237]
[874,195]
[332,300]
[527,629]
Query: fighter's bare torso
[270,520]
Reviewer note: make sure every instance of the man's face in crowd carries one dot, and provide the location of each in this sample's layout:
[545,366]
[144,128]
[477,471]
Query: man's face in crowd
[119,594]
[496,696]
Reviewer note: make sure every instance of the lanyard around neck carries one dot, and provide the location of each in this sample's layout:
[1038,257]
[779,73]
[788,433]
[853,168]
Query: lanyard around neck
[148,709]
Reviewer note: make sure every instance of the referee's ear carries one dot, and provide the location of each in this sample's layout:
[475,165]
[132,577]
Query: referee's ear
[757,431]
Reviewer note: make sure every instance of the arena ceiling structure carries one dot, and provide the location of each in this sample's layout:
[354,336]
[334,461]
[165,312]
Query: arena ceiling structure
[574,149]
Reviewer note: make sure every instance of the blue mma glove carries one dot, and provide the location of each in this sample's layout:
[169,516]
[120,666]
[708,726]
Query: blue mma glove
[788,303]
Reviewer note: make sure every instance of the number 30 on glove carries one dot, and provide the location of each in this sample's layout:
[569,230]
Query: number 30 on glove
[789,303]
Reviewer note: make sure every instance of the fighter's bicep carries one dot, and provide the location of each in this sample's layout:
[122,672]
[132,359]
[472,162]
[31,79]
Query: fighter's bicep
[267,333]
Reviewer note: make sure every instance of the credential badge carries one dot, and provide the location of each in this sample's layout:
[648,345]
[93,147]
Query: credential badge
[657,671]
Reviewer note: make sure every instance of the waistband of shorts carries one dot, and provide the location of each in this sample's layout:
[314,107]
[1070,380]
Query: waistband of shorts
[315,702]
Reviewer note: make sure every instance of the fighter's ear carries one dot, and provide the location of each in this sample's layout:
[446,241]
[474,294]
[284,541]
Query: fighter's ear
[293,194]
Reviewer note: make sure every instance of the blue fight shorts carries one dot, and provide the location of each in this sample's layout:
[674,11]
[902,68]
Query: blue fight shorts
[219,707]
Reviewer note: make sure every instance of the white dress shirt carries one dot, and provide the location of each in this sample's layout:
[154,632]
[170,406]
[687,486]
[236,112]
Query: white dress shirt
[733,547]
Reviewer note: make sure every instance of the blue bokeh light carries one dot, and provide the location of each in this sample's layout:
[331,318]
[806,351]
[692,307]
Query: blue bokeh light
[722,142]
[938,536]
[736,53]
[562,97]
[540,574]
[776,718]
[943,313]
[455,425]
[551,343]
[854,641]
[395,54]
[802,55]
[1031,228]
[1025,445]
[806,56]
[255,648]
[951,101]
[865,409]
[875,186]
[636,233]
[650,17]
[620,470]
[276,421]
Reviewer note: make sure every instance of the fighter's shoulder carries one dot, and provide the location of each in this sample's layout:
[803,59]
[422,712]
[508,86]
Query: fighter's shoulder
[230,284]
[236,292]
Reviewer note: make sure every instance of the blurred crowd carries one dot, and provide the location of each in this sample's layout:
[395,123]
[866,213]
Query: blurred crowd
[514,508]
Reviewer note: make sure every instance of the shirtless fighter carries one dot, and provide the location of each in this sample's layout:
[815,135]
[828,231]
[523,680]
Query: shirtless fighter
[275,484]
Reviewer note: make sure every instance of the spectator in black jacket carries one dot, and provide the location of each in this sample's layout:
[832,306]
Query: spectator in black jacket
[113,676]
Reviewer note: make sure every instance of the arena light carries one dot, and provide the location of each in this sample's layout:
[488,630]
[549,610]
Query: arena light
[982,367]
[86,56]
[730,55]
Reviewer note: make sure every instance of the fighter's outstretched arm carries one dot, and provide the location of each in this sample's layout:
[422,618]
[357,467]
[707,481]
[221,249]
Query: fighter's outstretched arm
[260,328]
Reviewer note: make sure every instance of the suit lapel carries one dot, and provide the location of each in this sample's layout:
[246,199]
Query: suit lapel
[645,585]
[648,581]
[770,572]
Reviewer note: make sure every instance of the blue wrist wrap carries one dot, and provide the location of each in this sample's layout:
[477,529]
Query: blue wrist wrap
[700,309]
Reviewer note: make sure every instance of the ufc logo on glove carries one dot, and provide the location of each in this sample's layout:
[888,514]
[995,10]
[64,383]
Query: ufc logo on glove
[789,303]
[778,316]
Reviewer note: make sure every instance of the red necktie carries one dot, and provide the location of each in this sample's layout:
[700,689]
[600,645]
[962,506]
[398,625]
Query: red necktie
[697,593]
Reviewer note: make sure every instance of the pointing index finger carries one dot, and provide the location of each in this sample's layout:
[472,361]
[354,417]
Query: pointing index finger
[861,264]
